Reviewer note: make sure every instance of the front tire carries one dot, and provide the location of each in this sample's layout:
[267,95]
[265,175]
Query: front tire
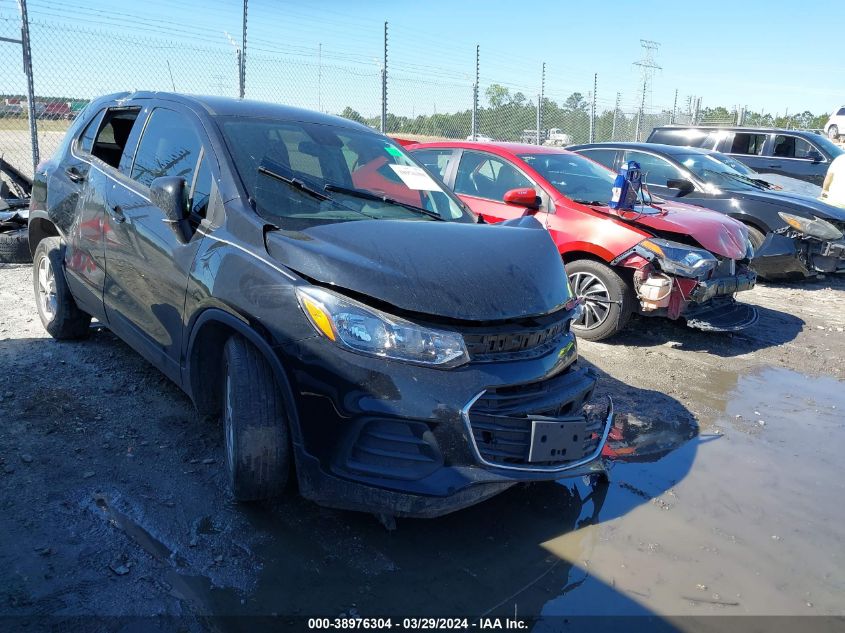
[755,236]
[833,132]
[255,423]
[608,299]
[59,314]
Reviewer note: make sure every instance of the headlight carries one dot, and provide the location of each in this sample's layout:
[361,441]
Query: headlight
[815,227]
[365,330]
[679,259]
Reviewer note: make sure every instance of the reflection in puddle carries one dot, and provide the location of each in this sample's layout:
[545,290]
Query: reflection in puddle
[751,529]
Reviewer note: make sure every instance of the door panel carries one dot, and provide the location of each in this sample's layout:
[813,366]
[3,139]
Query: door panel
[789,157]
[147,267]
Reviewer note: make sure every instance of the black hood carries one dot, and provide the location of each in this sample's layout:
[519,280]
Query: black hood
[795,203]
[461,271]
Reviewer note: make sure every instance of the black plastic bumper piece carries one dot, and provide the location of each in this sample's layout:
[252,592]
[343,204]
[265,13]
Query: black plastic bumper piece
[725,315]
[777,258]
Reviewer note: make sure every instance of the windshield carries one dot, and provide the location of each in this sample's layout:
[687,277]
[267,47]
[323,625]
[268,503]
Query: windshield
[576,177]
[717,172]
[736,165]
[299,174]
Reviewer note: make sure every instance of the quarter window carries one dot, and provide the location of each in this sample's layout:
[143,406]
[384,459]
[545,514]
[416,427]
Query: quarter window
[487,176]
[86,140]
[201,190]
[168,147]
[793,147]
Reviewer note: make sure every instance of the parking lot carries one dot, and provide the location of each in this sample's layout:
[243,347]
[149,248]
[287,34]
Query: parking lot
[726,500]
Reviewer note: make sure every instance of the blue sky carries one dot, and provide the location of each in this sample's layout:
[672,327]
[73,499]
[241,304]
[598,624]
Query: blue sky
[766,55]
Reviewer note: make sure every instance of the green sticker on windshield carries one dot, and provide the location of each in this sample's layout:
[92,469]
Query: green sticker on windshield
[393,151]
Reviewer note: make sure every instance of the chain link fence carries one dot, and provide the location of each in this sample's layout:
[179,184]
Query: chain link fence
[422,102]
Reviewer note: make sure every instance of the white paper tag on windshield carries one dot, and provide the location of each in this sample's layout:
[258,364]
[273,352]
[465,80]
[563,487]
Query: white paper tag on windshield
[415,178]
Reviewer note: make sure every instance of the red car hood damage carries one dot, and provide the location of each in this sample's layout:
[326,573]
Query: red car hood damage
[718,233]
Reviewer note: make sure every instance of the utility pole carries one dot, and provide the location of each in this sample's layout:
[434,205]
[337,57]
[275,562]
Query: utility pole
[647,67]
[30,86]
[319,76]
[474,130]
[242,82]
[593,109]
[697,111]
[615,113]
[540,103]
[674,107]
[384,86]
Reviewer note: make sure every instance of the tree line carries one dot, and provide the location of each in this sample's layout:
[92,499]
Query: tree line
[507,116]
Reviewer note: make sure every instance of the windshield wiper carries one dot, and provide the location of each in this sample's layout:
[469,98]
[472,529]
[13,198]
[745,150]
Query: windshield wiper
[296,183]
[368,195]
[743,179]
[597,203]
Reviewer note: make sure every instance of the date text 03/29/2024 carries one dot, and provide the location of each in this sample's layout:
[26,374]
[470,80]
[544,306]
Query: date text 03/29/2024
[418,624]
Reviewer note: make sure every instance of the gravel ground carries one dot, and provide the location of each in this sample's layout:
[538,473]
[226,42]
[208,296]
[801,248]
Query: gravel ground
[112,486]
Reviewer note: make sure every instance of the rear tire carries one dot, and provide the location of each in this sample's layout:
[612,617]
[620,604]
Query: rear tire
[833,132]
[755,236]
[59,314]
[609,299]
[14,247]
[255,423]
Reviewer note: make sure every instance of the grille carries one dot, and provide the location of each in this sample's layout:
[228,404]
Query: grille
[500,424]
[527,338]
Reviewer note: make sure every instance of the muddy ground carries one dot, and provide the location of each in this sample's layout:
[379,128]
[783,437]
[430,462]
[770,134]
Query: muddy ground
[726,498]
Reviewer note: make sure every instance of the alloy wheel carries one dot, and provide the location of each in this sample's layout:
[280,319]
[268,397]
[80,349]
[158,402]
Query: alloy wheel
[47,288]
[596,299]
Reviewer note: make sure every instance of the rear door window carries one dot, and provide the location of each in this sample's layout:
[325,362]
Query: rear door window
[606,157]
[751,144]
[435,160]
[656,171]
[169,147]
[110,142]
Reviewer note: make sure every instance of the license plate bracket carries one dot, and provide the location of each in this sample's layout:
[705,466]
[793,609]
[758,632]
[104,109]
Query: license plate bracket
[557,439]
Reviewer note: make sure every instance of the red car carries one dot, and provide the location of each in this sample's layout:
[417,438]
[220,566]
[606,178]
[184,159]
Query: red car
[666,259]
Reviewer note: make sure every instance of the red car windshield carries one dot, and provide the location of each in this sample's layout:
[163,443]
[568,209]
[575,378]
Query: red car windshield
[576,177]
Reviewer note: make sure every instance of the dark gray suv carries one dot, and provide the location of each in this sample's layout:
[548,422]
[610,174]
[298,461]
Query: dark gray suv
[306,279]
[795,153]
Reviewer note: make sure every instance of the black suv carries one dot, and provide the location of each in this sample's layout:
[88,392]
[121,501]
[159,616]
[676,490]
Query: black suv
[796,153]
[306,279]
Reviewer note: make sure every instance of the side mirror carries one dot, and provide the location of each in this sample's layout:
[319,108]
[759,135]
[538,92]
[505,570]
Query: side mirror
[168,194]
[815,157]
[523,197]
[681,184]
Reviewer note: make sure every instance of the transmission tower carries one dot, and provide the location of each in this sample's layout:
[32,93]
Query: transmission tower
[647,67]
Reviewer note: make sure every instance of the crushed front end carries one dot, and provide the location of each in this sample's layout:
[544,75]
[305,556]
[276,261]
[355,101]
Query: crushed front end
[674,280]
[805,247]
[408,440]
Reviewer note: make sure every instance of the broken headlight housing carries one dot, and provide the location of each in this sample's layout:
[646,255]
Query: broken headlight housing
[812,227]
[360,328]
[679,259]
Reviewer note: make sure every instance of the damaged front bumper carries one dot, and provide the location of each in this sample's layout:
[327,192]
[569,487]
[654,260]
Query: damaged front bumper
[707,304]
[395,439]
[783,256]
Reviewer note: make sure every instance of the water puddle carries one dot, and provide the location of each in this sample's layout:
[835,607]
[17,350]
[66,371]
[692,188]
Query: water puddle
[755,526]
